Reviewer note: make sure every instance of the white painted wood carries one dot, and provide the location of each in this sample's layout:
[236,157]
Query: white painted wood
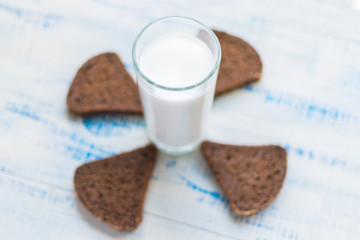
[307,100]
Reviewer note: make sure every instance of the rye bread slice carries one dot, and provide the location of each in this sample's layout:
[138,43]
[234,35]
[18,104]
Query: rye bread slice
[250,176]
[113,189]
[240,63]
[102,85]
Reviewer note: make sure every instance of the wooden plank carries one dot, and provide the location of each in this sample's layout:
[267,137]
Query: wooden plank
[306,101]
[36,210]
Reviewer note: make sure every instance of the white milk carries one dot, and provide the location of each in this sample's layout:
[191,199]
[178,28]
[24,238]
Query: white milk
[176,118]
[176,61]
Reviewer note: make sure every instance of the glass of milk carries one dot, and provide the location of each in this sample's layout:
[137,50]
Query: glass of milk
[176,60]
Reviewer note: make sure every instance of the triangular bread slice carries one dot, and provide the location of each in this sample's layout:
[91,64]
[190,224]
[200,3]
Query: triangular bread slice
[102,85]
[240,63]
[250,176]
[113,189]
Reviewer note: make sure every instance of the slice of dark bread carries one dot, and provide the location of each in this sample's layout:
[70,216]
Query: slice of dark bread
[102,85]
[113,189]
[240,63]
[250,176]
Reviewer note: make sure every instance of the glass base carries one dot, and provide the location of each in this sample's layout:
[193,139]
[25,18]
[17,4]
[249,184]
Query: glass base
[176,150]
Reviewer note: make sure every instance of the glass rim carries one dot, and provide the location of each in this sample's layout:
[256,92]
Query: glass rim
[205,79]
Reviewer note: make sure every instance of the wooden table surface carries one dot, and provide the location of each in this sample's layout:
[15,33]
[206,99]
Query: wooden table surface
[308,101]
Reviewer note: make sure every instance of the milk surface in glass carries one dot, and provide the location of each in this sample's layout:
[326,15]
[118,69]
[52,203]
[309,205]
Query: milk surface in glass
[176,61]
